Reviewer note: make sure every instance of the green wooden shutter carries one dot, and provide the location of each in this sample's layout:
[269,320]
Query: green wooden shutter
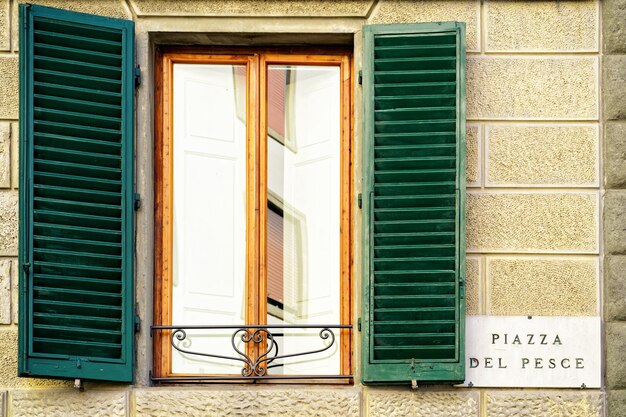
[76,195]
[414,203]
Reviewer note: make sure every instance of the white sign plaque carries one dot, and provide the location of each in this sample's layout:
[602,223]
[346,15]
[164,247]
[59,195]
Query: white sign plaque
[535,351]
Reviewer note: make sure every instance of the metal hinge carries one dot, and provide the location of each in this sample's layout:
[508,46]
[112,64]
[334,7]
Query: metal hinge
[137,76]
[137,201]
[26,266]
[360,77]
[359,199]
[137,323]
[462,288]
[358,323]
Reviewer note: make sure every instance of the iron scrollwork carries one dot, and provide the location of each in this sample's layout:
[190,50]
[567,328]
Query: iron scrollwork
[260,335]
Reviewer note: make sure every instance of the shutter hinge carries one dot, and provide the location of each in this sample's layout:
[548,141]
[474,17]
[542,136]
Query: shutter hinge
[359,199]
[137,76]
[462,288]
[358,323]
[26,266]
[137,201]
[137,323]
[360,77]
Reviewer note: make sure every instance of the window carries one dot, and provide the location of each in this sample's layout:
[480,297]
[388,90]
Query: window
[253,214]
[253,206]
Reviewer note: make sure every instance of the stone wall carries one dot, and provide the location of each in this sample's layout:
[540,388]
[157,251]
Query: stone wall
[534,196]
[614,80]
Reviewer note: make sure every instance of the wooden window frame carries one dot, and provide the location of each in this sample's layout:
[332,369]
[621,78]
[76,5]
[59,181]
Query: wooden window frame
[256,61]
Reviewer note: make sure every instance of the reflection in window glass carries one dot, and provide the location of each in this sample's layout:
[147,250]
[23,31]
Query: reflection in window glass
[209,243]
[303,211]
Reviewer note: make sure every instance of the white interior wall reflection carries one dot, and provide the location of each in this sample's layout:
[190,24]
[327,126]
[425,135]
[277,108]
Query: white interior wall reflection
[303,175]
[209,248]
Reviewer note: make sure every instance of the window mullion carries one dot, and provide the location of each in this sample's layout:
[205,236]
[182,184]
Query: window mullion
[254,198]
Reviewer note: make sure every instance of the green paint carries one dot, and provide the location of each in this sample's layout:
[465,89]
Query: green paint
[414,203]
[76,195]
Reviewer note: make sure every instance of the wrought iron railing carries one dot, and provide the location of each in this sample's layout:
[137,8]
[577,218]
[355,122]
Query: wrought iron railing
[253,368]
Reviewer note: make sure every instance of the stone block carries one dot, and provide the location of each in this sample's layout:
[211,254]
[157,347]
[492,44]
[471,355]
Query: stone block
[541,155]
[542,26]
[615,288]
[108,8]
[542,286]
[327,8]
[473,273]
[614,218]
[410,11]
[8,223]
[15,154]
[8,367]
[9,91]
[532,222]
[616,404]
[615,339]
[69,403]
[614,26]
[473,154]
[562,88]
[613,81]
[247,401]
[615,154]
[544,404]
[420,403]
[5,155]
[5,45]
[5,291]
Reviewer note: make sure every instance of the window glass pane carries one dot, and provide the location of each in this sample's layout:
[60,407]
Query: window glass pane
[303,213]
[209,242]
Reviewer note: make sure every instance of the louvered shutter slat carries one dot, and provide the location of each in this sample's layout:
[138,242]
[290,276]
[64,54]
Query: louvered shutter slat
[76,235]
[414,203]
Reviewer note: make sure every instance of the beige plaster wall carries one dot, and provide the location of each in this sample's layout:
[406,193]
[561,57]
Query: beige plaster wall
[533,108]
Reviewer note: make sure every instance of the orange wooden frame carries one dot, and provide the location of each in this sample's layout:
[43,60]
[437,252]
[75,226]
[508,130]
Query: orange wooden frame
[256,229]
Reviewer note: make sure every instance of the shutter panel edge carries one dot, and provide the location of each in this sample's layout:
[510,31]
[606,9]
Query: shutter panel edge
[92,367]
[405,371]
